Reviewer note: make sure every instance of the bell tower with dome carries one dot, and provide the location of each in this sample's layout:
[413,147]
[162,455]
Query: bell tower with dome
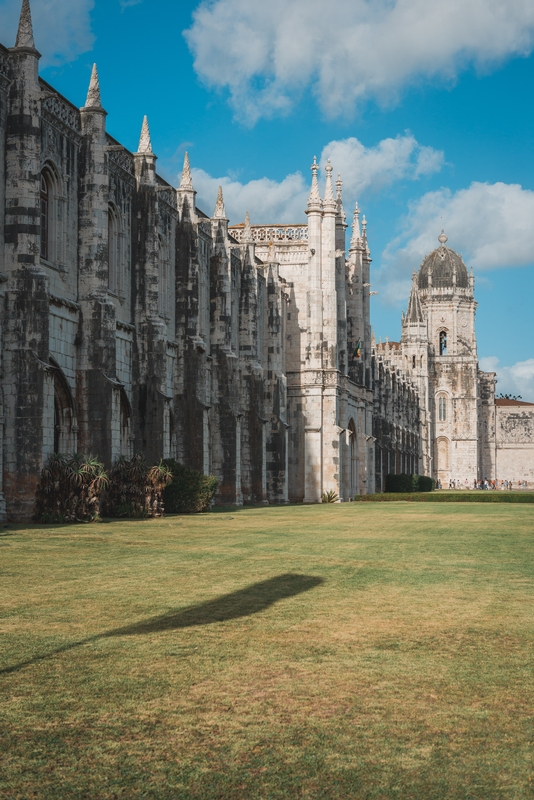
[439,349]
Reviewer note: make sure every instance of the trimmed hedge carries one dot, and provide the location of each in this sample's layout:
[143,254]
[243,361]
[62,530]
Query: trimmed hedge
[409,483]
[471,496]
[189,492]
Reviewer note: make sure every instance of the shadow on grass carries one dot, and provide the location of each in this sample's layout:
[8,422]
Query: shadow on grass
[252,600]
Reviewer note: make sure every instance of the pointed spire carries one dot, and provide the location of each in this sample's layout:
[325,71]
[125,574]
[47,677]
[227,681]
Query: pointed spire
[219,212]
[414,312]
[364,236]
[356,235]
[93,95]
[339,188]
[186,181]
[339,199]
[25,30]
[145,144]
[247,230]
[315,196]
[329,189]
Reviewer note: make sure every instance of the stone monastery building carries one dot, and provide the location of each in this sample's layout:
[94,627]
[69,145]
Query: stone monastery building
[132,321]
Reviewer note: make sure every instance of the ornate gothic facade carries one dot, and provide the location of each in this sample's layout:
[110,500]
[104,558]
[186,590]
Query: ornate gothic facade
[466,433]
[132,321]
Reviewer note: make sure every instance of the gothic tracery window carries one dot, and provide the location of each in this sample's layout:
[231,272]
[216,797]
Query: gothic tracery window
[52,211]
[113,250]
[163,277]
[45,214]
[443,343]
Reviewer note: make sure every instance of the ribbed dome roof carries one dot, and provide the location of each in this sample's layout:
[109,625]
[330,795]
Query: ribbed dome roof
[442,262]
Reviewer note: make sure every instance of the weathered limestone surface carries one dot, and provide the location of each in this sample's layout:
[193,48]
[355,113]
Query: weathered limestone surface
[132,321]
[466,434]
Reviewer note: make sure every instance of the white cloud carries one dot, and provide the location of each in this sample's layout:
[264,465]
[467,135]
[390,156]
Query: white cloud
[363,169]
[491,224]
[265,54]
[517,380]
[62,28]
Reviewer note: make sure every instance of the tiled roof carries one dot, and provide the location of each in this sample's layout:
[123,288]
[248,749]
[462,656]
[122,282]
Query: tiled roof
[503,401]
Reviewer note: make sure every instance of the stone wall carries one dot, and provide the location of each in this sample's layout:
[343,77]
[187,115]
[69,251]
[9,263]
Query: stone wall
[514,441]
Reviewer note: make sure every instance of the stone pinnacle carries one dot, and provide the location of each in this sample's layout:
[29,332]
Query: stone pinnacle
[93,95]
[145,145]
[25,30]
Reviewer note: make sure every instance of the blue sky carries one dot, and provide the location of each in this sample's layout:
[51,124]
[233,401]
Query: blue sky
[424,107]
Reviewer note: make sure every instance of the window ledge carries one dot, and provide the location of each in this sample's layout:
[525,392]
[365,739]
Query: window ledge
[50,264]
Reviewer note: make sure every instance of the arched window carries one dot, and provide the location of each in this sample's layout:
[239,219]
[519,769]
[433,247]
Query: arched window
[442,409]
[52,213]
[125,422]
[413,362]
[113,250]
[443,343]
[45,213]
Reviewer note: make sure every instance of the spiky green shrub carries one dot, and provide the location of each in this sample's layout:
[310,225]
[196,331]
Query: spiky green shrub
[189,491]
[135,488]
[330,497]
[69,489]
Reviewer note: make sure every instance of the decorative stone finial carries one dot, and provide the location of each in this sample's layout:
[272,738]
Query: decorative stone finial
[355,239]
[329,189]
[145,145]
[93,95]
[25,30]
[339,187]
[339,199]
[186,181]
[364,227]
[219,212]
[315,196]
[442,238]
[247,230]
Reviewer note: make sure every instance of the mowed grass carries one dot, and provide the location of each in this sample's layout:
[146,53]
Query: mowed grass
[340,651]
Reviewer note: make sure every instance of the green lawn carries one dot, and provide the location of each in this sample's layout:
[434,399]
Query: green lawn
[339,651]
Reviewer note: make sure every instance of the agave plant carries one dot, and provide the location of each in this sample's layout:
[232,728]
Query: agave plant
[135,488]
[330,497]
[69,489]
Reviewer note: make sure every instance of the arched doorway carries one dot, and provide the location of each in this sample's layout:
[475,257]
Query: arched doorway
[126,430]
[65,440]
[442,453]
[353,460]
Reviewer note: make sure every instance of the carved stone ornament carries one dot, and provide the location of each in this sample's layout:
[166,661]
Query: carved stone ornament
[63,112]
[280,233]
